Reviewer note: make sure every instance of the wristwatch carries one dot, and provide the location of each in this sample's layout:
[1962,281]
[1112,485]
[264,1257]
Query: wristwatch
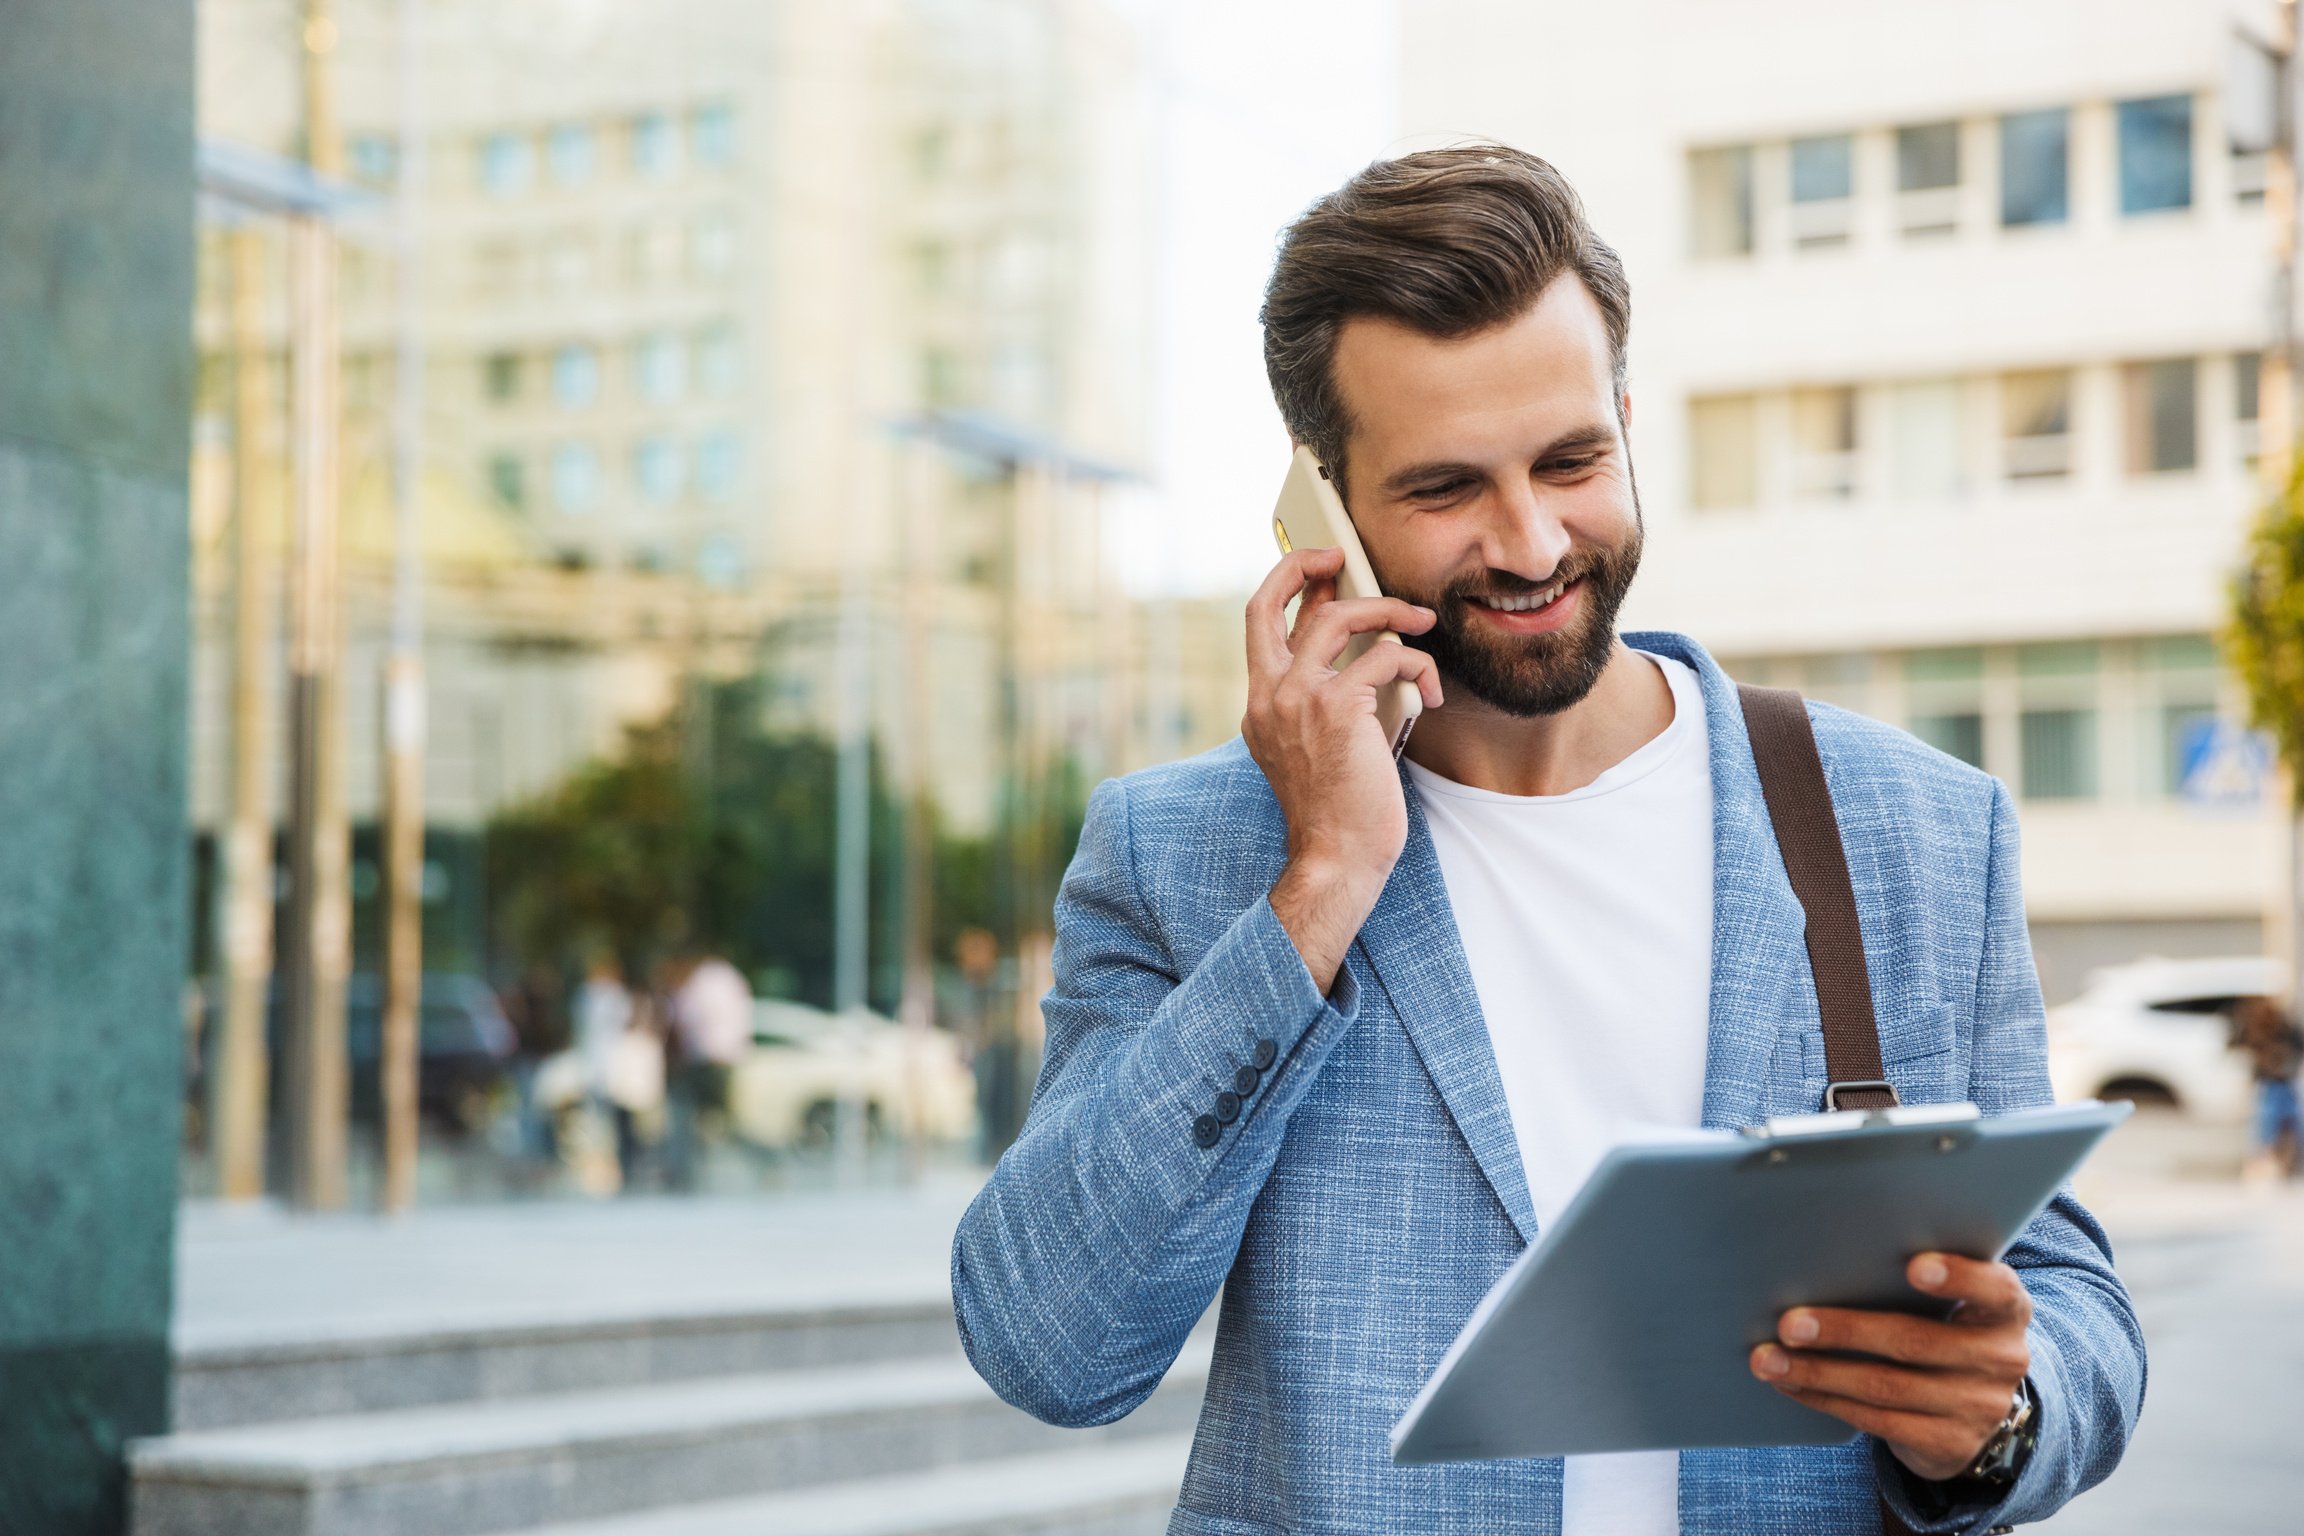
[2004,1454]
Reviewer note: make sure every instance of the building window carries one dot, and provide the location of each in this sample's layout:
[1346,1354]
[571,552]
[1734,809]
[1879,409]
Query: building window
[575,377]
[574,153]
[375,159]
[2179,677]
[2036,424]
[1720,201]
[576,478]
[1824,462]
[507,163]
[658,470]
[2059,748]
[2247,380]
[2155,154]
[1928,178]
[2057,727]
[1823,190]
[660,368]
[2035,167]
[1925,461]
[507,480]
[1723,452]
[569,261]
[1944,691]
[502,375]
[720,361]
[712,245]
[712,135]
[2163,411]
[719,466]
[719,562]
[655,145]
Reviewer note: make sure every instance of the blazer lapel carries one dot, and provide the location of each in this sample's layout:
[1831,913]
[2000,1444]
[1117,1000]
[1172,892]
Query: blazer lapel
[1759,943]
[1413,947]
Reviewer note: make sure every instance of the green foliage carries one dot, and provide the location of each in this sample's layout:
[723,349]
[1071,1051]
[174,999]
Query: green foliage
[709,829]
[2265,638]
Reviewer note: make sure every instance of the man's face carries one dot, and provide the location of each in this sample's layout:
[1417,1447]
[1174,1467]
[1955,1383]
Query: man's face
[1490,481]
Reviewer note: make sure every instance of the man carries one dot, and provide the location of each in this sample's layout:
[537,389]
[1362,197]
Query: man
[1339,1038]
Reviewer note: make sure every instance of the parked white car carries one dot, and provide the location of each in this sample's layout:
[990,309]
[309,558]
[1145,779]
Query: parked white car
[2159,1032]
[787,1090]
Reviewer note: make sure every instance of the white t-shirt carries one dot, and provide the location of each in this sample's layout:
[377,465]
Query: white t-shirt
[1587,923]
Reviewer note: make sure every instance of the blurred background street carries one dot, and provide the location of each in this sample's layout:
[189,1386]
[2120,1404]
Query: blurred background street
[567,569]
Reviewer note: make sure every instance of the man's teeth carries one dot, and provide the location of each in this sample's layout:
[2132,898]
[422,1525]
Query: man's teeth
[1542,598]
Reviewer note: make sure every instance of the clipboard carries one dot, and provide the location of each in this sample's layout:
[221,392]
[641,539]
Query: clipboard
[1627,1324]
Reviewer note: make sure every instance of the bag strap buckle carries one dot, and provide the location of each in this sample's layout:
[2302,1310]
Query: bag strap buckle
[1872,1086]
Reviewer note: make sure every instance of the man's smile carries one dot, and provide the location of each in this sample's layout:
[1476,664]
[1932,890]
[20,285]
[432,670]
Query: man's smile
[1532,613]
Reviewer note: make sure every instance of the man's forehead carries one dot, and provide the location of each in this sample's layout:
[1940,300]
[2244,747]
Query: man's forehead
[1408,393]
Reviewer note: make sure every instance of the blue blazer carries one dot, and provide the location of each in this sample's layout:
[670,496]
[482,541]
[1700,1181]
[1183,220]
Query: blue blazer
[1370,1190]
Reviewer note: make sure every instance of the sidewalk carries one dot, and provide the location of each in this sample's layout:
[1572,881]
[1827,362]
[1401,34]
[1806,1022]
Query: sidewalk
[247,1276]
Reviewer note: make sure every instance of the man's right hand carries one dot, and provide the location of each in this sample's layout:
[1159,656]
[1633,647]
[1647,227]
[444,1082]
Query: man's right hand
[1314,732]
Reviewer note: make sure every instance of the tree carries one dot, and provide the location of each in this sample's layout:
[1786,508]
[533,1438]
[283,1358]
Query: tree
[2265,641]
[709,829]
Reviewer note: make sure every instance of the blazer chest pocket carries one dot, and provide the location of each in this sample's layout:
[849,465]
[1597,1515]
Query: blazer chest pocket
[1921,1050]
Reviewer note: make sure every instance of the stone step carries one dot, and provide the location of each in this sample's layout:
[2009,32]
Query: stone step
[227,1383]
[516,1463]
[1121,1488]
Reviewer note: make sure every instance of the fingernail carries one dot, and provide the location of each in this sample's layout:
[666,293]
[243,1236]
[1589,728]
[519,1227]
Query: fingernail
[1799,1327]
[1771,1361]
[1930,1272]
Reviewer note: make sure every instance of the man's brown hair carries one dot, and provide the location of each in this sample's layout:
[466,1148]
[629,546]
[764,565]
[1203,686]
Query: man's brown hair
[1447,242]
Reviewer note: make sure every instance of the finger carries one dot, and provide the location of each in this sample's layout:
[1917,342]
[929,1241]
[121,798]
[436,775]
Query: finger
[1911,1340]
[1323,632]
[1267,607]
[1390,662]
[1962,1395]
[1935,1448]
[1988,1292]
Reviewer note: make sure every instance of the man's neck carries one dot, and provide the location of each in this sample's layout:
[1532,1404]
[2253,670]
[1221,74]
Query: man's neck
[1476,744]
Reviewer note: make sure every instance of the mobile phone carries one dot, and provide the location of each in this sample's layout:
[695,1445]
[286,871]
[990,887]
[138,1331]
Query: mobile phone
[1310,515]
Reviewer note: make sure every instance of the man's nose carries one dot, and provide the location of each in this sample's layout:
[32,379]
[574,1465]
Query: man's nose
[1526,536]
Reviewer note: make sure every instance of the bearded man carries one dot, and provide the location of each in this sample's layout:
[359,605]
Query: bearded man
[1338,1036]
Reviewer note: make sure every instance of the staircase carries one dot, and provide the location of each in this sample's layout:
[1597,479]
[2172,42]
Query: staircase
[859,1420]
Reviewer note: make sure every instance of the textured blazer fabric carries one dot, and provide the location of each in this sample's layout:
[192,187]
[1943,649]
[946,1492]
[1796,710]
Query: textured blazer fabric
[1356,1202]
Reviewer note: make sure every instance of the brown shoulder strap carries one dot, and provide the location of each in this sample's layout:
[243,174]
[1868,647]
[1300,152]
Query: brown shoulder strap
[1800,806]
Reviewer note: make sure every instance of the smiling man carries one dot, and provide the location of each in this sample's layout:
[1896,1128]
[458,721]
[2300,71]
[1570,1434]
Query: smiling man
[1338,1036]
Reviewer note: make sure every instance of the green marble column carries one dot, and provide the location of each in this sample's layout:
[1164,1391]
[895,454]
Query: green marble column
[96,252]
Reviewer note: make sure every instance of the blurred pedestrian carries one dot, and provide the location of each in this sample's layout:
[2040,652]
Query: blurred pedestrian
[709,1014]
[2275,1050]
[537,1006]
[612,1052]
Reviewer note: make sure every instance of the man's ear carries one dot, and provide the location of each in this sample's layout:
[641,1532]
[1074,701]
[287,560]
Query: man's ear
[1624,410]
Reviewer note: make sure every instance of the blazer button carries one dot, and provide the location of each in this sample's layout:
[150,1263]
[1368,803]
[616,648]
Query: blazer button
[1245,1080]
[1227,1107]
[1205,1131]
[1266,1054]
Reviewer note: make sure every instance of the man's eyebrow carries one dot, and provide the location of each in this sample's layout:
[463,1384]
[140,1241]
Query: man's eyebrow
[1578,440]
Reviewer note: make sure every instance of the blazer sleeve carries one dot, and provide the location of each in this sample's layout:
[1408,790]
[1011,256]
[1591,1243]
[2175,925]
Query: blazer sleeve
[1106,1230]
[2087,1351]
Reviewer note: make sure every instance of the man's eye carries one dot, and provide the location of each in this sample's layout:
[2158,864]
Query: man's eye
[1570,466]
[1435,492]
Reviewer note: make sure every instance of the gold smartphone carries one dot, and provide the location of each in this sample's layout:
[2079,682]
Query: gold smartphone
[1310,515]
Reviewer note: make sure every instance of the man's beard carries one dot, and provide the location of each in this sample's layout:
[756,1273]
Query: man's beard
[1529,675]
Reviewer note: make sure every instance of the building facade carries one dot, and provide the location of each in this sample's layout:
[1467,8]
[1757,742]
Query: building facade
[734,314]
[1944,362]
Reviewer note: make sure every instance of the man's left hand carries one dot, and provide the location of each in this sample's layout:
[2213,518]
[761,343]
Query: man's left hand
[1934,1391]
